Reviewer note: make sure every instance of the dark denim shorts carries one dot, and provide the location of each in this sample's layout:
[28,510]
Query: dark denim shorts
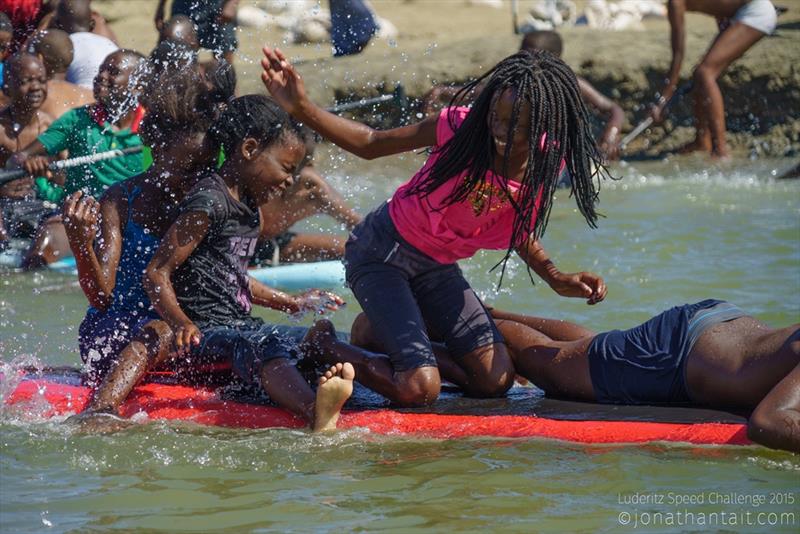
[248,347]
[407,294]
[647,364]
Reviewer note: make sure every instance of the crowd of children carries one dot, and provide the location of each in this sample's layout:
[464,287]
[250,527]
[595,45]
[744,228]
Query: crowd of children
[162,251]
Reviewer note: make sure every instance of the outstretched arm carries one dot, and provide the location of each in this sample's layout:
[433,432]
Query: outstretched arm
[269,297]
[609,141]
[287,88]
[582,284]
[676,12]
[185,234]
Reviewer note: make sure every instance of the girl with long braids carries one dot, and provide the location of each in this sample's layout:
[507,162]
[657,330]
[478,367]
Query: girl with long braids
[488,184]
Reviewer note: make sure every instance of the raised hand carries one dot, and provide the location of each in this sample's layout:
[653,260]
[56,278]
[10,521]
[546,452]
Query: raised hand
[282,81]
[80,216]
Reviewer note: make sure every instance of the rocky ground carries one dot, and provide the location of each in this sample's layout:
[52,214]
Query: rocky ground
[450,41]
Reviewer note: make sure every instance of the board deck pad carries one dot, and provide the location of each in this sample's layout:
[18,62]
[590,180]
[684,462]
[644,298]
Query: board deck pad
[524,412]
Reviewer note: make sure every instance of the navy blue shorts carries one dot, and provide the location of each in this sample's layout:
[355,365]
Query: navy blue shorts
[248,347]
[103,335]
[406,293]
[647,364]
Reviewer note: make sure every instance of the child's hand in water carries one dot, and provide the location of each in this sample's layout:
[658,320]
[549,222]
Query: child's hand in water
[80,216]
[318,301]
[582,285]
[186,335]
[282,81]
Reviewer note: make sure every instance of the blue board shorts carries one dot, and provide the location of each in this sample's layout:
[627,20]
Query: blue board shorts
[249,346]
[405,294]
[647,364]
[103,335]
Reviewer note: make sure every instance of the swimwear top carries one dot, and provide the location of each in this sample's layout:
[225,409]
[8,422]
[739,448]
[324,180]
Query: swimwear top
[138,248]
[450,233]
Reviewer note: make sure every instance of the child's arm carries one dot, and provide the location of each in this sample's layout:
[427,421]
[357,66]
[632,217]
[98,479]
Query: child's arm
[676,11]
[286,87]
[582,285]
[269,297]
[158,19]
[97,262]
[611,110]
[185,234]
[228,11]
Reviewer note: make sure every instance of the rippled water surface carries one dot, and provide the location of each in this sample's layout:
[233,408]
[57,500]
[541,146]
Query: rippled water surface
[673,233]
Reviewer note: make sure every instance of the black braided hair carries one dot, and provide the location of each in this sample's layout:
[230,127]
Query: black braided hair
[252,116]
[557,113]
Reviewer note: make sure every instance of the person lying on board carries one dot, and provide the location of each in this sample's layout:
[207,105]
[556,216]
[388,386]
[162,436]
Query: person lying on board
[742,23]
[551,41]
[25,85]
[112,122]
[198,281]
[54,47]
[307,195]
[488,183]
[709,354]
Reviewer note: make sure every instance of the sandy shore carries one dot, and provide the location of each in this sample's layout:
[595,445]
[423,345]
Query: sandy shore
[449,41]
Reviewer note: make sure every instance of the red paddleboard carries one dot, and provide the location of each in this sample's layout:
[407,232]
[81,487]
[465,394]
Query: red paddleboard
[525,413]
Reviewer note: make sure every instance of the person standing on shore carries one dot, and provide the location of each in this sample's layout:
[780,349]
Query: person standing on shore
[742,23]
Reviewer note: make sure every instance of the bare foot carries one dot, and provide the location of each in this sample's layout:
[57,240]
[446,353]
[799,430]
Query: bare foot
[694,146]
[317,342]
[335,387]
[99,422]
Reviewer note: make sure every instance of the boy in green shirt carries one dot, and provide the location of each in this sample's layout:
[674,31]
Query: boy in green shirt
[110,123]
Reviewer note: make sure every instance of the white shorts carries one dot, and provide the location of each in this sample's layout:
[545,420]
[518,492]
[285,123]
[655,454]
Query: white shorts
[759,15]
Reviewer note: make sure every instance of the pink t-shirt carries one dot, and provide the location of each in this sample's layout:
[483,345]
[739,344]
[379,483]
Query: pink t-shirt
[459,230]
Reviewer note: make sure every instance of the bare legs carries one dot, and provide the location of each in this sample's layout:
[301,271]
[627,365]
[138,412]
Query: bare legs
[49,244]
[309,195]
[709,109]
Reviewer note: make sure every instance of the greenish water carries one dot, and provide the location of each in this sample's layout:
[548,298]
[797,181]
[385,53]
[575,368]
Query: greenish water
[673,233]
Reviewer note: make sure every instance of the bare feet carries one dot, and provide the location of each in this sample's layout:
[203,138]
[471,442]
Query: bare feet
[335,387]
[694,146]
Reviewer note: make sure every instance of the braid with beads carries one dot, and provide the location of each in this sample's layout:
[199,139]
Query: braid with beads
[559,132]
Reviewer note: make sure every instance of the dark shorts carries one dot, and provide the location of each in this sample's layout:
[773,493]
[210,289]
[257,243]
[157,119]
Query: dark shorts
[22,217]
[647,364]
[248,347]
[268,251]
[103,335]
[212,34]
[405,293]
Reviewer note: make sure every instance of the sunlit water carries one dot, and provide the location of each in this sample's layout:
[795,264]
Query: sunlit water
[673,233]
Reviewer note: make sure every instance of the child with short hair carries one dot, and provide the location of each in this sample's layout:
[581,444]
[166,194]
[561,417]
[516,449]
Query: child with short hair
[112,122]
[742,23]
[20,122]
[198,281]
[489,183]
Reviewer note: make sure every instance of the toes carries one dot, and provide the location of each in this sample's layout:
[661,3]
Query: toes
[348,371]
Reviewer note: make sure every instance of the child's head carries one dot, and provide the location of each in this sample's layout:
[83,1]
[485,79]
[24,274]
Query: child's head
[530,114]
[55,49]
[25,81]
[181,107]
[117,84]
[73,16]
[180,28]
[546,40]
[262,145]
[171,56]
[6,34]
